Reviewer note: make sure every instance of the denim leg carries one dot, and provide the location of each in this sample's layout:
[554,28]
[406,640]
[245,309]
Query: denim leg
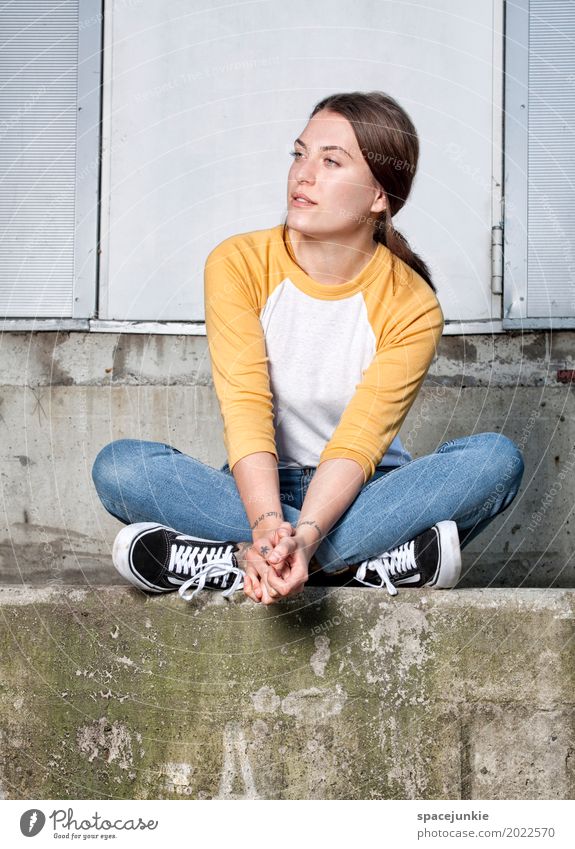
[140,481]
[469,480]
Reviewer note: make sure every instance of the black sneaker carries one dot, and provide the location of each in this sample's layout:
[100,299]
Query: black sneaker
[159,559]
[432,559]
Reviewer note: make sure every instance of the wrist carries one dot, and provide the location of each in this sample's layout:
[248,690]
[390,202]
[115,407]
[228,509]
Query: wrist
[308,535]
[266,523]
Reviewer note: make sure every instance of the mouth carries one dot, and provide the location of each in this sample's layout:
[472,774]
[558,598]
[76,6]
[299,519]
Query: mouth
[298,199]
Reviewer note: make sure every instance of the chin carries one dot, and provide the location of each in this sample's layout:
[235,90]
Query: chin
[301,222]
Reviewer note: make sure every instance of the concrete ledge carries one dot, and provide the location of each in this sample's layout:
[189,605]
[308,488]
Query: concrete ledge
[342,693]
[78,391]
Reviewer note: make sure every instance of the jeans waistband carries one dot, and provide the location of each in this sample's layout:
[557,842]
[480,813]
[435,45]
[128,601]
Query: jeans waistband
[297,470]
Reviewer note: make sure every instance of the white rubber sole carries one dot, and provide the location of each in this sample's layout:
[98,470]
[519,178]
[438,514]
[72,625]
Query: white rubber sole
[450,566]
[121,553]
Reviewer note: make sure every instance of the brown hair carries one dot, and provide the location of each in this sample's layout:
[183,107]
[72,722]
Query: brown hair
[389,143]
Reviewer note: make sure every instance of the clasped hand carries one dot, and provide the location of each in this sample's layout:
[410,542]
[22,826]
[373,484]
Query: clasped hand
[267,581]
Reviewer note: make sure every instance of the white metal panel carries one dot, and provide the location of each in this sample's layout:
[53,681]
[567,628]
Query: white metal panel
[551,239]
[201,106]
[540,164]
[49,163]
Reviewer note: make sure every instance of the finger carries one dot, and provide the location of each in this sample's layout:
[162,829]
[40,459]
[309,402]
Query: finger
[283,531]
[266,597]
[285,585]
[265,544]
[277,583]
[252,584]
[296,590]
[266,588]
[272,592]
[248,590]
[282,550]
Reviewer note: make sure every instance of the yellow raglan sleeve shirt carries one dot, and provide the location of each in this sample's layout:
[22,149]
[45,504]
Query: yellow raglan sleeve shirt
[238,352]
[311,372]
[410,334]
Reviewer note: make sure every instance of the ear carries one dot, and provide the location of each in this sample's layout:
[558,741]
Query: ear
[380,202]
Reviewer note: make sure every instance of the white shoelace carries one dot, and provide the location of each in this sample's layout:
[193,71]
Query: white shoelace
[214,569]
[390,564]
[186,558]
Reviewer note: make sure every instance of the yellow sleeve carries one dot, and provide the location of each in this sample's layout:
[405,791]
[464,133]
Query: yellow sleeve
[238,356]
[389,385]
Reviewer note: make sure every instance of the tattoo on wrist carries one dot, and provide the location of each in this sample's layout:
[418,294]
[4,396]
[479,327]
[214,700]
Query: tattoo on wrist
[265,516]
[312,523]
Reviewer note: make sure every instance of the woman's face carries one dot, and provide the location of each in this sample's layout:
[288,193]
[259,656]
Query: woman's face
[345,195]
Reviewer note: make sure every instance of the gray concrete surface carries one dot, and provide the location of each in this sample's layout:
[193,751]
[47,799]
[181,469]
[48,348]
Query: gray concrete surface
[65,395]
[341,693]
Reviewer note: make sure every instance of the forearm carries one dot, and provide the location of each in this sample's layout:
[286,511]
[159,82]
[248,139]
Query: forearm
[257,479]
[334,487]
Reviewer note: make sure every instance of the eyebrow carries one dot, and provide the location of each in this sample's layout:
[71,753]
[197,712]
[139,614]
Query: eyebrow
[325,147]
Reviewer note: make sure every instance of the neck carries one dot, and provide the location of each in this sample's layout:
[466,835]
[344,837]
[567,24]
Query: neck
[332,262]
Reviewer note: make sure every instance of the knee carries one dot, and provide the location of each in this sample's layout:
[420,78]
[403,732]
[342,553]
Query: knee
[503,457]
[110,460]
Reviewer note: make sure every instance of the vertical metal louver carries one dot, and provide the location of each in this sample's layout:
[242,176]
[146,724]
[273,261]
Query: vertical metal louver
[540,164]
[49,162]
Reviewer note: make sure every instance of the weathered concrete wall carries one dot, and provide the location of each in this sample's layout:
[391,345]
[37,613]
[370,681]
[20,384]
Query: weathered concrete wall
[65,395]
[342,693]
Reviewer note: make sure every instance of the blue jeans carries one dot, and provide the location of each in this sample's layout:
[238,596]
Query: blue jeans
[469,480]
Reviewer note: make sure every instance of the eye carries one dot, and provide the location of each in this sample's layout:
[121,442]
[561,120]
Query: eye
[296,154]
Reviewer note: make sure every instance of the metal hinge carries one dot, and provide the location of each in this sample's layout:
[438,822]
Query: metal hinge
[497,259]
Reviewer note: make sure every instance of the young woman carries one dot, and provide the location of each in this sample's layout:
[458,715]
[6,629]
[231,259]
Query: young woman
[320,331]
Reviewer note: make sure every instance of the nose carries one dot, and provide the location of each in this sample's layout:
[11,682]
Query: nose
[305,172]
